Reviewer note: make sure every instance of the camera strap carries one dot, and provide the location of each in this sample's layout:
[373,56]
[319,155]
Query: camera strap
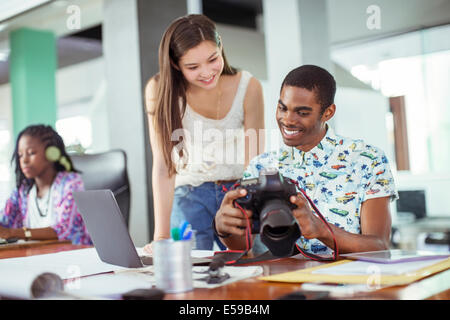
[236,258]
[321,217]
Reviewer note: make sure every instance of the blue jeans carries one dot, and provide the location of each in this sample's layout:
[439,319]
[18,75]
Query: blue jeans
[198,206]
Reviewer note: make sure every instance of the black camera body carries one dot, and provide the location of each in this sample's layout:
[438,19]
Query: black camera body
[268,198]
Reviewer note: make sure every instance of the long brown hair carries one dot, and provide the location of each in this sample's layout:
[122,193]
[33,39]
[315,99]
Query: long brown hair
[183,34]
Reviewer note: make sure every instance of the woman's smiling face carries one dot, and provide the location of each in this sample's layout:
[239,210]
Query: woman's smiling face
[202,65]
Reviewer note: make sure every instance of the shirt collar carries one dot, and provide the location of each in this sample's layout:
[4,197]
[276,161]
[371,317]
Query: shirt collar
[325,147]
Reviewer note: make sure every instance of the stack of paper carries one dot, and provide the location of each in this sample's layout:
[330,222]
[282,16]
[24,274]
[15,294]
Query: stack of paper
[359,272]
[367,268]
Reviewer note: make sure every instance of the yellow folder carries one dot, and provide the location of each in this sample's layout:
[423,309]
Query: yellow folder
[307,275]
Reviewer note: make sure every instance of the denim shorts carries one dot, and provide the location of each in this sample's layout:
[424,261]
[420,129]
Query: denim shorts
[198,205]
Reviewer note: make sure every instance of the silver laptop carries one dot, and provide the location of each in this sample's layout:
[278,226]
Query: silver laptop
[109,232]
[107,228]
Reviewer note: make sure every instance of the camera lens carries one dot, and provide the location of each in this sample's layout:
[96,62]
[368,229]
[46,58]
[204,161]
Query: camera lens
[276,232]
[279,229]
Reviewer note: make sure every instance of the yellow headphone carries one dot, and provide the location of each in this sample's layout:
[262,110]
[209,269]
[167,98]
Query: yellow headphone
[53,154]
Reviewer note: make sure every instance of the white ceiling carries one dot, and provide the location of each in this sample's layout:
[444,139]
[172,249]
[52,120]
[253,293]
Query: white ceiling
[54,17]
[11,8]
[347,18]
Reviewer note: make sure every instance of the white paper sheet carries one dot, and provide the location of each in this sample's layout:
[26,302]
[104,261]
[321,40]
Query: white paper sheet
[17,284]
[109,286]
[66,264]
[17,274]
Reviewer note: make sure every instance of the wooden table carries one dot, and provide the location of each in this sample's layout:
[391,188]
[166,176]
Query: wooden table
[434,287]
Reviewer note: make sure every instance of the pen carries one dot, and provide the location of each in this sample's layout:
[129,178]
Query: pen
[184,232]
[175,234]
[183,228]
[188,235]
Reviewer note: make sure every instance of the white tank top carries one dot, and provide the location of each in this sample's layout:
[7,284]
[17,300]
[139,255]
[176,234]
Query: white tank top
[215,148]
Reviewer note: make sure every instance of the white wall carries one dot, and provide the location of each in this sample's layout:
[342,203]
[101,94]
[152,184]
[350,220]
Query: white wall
[244,48]
[361,114]
[79,82]
[81,91]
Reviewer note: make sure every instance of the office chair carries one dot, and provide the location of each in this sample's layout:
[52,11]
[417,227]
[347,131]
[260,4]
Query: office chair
[107,170]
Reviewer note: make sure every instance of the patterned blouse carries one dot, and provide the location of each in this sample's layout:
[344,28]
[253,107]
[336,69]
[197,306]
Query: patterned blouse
[69,224]
[339,174]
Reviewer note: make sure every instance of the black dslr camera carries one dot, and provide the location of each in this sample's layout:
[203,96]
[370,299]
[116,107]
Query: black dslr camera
[268,198]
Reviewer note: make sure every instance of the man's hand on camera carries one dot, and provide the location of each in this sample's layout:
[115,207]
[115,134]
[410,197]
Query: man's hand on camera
[310,225]
[229,219]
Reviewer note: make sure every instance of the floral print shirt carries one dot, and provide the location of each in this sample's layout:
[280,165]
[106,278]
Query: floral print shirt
[338,175]
[69,223]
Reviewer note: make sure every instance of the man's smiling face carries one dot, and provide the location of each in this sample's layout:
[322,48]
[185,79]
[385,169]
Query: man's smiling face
[299,117]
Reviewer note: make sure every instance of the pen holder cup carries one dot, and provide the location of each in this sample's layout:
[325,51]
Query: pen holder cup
[172,265]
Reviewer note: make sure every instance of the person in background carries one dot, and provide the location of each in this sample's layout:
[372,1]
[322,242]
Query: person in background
[196,90]
[42,206]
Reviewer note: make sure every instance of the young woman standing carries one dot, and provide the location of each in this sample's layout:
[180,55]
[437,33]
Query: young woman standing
[205,119]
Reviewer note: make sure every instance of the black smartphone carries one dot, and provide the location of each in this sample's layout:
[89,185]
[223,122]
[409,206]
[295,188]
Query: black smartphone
[9,240]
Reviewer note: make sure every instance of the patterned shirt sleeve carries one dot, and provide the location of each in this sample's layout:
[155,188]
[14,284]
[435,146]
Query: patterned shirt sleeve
[263,161]
[70,225]
[378,180]
[254,167]
[10,216]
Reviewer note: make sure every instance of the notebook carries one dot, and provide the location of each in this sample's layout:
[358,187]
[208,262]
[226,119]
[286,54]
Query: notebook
[109,233]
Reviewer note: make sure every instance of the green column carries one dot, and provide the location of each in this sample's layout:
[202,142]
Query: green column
[32,67]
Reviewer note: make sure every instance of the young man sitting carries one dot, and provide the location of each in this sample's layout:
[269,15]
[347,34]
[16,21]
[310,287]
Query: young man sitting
[349,181]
